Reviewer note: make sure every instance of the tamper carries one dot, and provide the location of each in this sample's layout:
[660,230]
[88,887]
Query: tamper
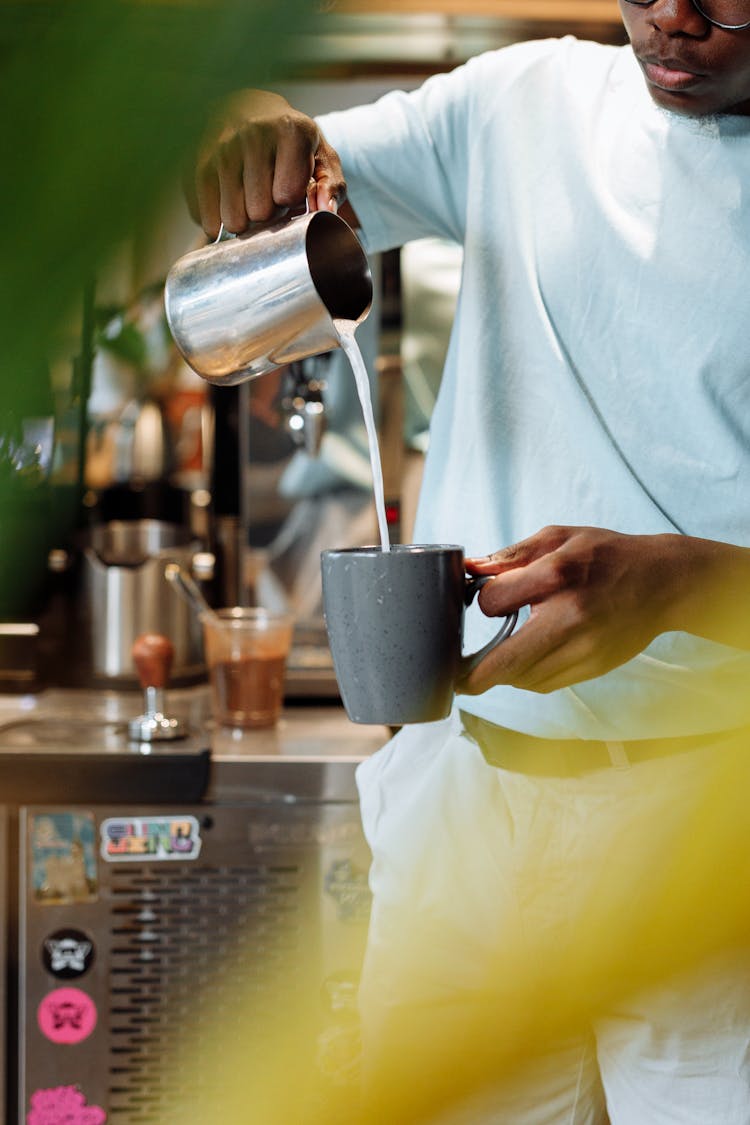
[152,656]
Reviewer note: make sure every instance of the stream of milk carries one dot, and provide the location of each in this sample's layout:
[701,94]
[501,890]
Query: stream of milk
[345,330]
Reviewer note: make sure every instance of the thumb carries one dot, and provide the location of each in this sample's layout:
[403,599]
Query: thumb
[328,186]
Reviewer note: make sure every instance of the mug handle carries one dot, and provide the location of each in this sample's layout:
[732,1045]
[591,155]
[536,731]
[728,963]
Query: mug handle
[468,663]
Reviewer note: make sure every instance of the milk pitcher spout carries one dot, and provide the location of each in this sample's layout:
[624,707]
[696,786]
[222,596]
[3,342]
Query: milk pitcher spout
[250,304]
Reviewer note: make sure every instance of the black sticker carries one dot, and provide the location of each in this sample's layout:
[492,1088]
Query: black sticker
[67,954]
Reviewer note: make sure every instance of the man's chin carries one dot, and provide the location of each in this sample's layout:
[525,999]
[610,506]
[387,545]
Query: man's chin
[701,108]
[679,104]
[681,111]
[703,120]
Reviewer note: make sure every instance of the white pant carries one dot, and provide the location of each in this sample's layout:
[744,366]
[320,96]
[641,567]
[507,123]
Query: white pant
[518,897]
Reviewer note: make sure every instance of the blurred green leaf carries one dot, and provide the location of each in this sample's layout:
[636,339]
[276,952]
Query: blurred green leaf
[102,101]
[128,345]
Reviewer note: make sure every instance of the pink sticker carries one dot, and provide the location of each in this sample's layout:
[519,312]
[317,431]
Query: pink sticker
[63,1105]
[66,1015]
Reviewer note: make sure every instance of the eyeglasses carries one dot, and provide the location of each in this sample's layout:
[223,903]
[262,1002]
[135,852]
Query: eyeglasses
[730,15]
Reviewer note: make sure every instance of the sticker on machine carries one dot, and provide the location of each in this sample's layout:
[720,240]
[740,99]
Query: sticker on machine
[62,848]
[150,838]
[66,1015]
[347,885]
[56,1105]
[67,953]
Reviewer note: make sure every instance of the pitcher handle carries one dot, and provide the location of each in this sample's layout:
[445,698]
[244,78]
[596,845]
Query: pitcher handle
[470,661]
[223,234]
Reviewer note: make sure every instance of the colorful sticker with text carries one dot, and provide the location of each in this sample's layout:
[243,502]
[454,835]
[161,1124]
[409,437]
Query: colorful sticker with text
[152,838]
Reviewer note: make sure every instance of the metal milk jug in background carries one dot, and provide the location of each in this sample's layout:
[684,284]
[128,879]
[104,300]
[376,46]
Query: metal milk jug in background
[126,594]
[247,305]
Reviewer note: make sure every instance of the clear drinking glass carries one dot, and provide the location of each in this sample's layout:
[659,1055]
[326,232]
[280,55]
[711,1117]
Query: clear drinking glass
[246,651]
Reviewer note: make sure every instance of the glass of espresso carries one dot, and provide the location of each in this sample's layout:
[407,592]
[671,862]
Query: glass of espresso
[246,651]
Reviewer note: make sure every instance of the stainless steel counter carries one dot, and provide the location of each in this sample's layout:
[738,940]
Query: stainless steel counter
[65,743]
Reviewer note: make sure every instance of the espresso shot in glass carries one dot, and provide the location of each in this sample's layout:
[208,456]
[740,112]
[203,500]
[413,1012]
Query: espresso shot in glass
[246,651]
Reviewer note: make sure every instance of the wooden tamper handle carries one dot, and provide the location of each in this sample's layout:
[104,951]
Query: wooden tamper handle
[153,655]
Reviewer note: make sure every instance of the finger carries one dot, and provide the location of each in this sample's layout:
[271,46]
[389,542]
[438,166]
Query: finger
[521,553]
[257,177]
[535,582]
[230,163]
[570,662]
[581,654]
[207,199]
[547,653]
[294,164]
[511,661]
[546,646]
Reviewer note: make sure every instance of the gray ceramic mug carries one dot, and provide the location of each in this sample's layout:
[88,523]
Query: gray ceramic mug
[395,627]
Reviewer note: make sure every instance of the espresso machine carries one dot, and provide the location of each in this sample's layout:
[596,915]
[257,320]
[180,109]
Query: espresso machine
[151,887]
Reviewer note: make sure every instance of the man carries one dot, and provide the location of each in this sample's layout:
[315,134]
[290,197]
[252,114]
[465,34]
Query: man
[595,387]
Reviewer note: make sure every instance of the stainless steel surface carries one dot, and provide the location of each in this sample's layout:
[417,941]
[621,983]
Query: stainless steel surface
[132,542]
[311,755]
[85,722]
[255,931]
[74,745]
[126,594]
[248,305]
[304,405]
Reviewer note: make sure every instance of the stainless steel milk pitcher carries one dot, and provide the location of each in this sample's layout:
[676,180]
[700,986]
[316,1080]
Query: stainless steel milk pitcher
[247,305]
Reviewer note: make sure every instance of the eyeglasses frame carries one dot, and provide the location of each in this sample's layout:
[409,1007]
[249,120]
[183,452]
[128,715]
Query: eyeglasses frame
[696,5]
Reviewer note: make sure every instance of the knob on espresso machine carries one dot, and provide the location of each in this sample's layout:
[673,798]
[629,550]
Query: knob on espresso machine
[152,656]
